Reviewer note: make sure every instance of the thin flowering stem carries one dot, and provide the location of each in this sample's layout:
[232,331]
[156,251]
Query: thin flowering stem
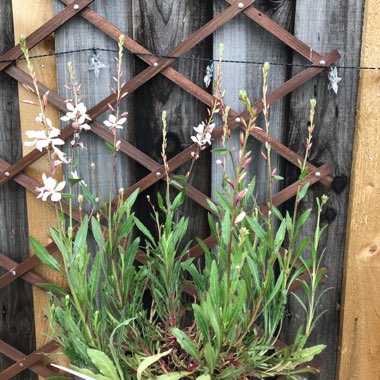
[115,122]
[268,146]
[42,101]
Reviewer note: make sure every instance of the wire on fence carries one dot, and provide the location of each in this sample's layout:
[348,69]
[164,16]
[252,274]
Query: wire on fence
[210,60]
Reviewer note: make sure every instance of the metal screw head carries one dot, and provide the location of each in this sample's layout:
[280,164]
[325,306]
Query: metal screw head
[21,364]
[155,64]
[238,120]
[317,174]
[322,62]
[76,7]
[241,5]
[6,174]
[158,174]
[13,272]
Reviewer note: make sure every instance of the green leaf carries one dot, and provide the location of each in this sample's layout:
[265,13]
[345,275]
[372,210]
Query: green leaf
[98,234]
[45,257]
[280,235]
[110,147]
[307,354]
[230,373]
[103,363]
[55,289]
[203,377]
[73,181]
[186,343]
[201,321]
[149,361]
[93,280]
[226,227]
[211,357]
[303,192]
[220,150]
[89,373]
[59,241]
[173,376]
[144,230]
[87,194]
[66,196]
[111,345]
[303,218]
[74,371]
[132,198]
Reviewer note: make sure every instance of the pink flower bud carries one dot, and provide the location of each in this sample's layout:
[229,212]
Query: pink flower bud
[241,177]
[229,181]
[246,162]
[241,138]
[241,195]
[264,155]
[118,145]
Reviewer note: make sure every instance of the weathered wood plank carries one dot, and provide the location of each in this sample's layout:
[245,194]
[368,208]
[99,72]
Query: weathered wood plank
[160,26]
[16,300]
[244,40]
[80,34]
[39,215]
[360,331]
[325,25]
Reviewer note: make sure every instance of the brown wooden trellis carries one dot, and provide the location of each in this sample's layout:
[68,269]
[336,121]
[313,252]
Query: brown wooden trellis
[157,66]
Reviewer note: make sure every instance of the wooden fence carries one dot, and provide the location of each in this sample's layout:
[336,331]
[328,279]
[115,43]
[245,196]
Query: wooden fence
[166,34]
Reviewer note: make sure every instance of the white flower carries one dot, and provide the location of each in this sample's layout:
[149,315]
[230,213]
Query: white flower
[240,217]
[112,122]
[78,115]
[42,140]
[51,188]
[203,136]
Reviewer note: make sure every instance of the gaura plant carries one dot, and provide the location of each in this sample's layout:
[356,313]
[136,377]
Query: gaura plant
[238,294]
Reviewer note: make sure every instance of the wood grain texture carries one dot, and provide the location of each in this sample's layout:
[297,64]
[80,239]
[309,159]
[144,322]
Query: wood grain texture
[160,26]
[16,300]
[40,215]
[325,25]
[245,40]
[79,34]
[360,333]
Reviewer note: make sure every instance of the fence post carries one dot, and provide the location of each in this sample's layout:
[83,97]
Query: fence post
[28,15]
[360,332]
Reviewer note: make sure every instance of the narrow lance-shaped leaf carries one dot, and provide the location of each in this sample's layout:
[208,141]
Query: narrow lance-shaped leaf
[45,257]
[149,361]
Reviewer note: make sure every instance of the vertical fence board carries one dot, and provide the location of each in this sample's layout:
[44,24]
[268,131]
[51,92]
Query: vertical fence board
[16,300]
[325,25]
[360,332]
[160,26]
[246,41]
[39,215]
[78,33]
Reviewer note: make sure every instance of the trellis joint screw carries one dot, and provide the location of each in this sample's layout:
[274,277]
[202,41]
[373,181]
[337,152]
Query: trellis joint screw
[241,5]
[6,174]
[317,174]
[76,7]
[13,272]
[21,365]
[237,120]
[155,64]
[158,174]
[322,62]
